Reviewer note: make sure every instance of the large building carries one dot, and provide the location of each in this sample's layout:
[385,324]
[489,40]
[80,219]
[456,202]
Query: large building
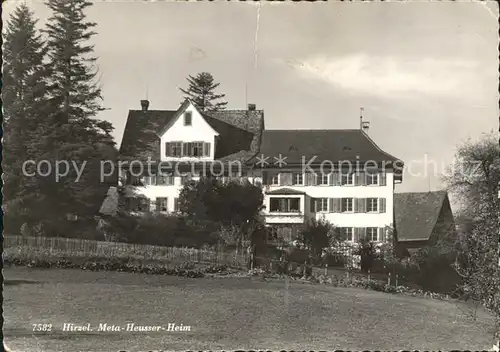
[338,175]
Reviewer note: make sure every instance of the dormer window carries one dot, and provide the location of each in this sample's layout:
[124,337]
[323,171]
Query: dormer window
[188,118]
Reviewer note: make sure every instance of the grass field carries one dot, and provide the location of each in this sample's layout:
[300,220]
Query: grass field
[226,313]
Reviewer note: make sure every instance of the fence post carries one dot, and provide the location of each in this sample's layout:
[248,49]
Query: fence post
[369,275]
[326,269]
[251,261]
[389,279]
[397,279]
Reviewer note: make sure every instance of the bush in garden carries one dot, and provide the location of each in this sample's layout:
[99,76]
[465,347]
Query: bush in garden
[368,254]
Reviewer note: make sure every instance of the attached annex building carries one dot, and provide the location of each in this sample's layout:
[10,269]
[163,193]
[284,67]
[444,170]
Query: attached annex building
[338,175]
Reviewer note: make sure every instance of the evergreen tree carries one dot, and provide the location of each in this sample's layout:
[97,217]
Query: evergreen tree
[25,104]
[202,92]
[71,132]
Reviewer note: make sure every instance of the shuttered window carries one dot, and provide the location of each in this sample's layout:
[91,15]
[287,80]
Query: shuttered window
[313,205]
[347,233]
[347,179]
[173,149]
[382,205]
[310,179]
[360,178]
[347,205]
[176,205]
[383,179]
[161,204]
[297,179]
[188,118]
[275,179]
[372,205]
[372,234]
[372,179]
[322,179]
[322,204]
[206,149]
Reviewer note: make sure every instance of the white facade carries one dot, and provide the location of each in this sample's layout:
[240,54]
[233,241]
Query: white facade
[197,131]
[349,205]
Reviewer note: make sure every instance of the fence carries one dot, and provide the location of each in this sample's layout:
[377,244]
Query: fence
[82,247]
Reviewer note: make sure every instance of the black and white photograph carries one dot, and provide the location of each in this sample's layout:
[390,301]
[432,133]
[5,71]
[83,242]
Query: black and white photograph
[264,175]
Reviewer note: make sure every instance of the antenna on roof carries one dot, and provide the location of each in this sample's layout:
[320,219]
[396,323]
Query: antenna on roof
[363,125]
[361,118]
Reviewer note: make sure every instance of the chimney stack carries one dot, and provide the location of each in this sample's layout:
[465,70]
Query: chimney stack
[145,105]
[251,107]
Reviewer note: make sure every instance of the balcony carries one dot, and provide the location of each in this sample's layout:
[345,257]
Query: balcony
[284,217]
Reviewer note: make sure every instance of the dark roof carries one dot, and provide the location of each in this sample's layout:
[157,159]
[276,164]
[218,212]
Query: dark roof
[416,214]
[140,138]
[239,131]
[285,191]
[333,145]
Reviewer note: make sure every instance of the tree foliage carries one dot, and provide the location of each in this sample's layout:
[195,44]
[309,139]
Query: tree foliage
[201,92]
[24,95]
[234,205]
[318,235]
[54,96]
[476,185]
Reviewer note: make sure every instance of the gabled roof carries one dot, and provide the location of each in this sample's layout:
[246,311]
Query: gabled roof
[239,132]
[285,191]
[416,214]
[333,145]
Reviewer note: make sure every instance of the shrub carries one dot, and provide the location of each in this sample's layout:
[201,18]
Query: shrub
[367,251]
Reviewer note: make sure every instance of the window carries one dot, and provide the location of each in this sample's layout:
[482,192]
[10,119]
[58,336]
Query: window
[165,180]
[347,179]
[176,204]
[347,205]
[148,180]
[322,204]
[188,118]
[190,149]
[161,204]
[174,149]
[347,233]
[285,205]
[275,179]
[371,205]
[372,234]
[322,179]
[297,179]
[371,179]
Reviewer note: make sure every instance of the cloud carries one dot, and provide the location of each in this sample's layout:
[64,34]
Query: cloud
[391,76]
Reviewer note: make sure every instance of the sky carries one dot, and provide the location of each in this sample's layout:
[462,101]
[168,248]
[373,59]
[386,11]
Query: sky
[426,73]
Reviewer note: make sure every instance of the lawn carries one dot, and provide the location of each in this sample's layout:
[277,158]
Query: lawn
[226,313]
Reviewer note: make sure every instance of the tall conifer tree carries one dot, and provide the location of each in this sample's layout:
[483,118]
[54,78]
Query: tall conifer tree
[24,95]
[201,91]
[71,132]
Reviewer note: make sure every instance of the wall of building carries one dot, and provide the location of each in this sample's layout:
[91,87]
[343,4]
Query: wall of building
[199,131]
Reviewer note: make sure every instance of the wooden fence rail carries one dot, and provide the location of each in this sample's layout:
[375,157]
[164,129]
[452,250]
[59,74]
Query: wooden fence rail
[83,247]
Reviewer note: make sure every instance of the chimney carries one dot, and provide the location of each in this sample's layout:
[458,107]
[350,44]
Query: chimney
[145,105]
[251,107]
